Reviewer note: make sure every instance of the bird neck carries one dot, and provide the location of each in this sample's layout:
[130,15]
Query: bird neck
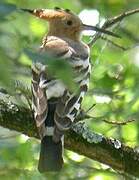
[64,33]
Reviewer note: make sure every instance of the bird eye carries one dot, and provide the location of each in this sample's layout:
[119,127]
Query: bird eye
[69,22]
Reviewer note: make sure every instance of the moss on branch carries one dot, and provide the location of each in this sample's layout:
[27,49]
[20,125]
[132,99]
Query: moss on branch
[79,139]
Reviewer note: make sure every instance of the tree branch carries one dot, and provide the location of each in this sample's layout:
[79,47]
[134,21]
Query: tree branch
[110,22]
[80,139]
[115,44]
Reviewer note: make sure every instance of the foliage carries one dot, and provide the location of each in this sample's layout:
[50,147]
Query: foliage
[113,87]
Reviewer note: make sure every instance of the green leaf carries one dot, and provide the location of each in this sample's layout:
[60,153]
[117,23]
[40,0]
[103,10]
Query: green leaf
[5,70]
[62,70]
[57,68]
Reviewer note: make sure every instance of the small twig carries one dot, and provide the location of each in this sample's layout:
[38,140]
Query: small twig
[119,123]
[19,86]
[119,46]
[82,116]
[90,108]
[110,22]
[114,44]
[129,34]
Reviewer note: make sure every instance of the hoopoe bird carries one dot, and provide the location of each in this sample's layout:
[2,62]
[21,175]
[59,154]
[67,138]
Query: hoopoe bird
[55,106]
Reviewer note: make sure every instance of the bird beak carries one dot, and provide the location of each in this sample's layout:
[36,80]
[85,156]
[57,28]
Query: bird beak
[94,28]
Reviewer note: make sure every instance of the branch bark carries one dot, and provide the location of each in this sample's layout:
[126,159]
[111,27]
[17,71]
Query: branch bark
[79,139]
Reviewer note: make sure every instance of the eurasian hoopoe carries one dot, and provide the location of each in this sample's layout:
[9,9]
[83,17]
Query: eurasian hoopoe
[55,107]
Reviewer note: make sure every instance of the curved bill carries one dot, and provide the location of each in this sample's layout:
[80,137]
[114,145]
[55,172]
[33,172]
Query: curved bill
[97,29]
[27,10]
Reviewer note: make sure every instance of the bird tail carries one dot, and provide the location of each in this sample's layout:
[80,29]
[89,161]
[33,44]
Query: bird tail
[44,111]
[50,155]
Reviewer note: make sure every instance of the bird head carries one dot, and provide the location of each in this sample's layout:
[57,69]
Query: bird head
[64,23]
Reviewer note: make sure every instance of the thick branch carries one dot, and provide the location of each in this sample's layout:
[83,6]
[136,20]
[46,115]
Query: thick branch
[80,139]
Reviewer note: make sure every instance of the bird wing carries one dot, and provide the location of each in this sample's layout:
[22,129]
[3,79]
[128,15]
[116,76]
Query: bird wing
[55,47]
[39,98]
[69,103]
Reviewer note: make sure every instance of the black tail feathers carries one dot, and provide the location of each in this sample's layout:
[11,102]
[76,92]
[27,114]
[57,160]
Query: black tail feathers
[50,155]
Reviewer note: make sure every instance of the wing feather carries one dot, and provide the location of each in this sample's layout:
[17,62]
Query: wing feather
[69,103]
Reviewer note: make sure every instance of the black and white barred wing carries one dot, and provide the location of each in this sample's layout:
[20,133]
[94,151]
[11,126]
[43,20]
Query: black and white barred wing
[39,98]
[69,102]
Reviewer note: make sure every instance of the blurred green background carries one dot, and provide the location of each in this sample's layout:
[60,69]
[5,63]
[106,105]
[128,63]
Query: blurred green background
[114,86]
